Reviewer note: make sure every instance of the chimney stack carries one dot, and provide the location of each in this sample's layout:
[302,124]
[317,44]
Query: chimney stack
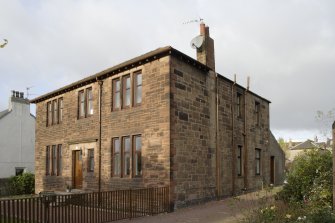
[205,54]
[17,94]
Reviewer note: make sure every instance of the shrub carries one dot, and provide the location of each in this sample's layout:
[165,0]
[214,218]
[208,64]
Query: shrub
[310,179]
[307,196]
[22,184]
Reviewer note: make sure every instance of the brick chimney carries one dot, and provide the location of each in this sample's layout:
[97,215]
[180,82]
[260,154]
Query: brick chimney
[205,54]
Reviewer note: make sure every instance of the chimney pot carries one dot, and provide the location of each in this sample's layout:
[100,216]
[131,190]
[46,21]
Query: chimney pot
[21,94]
[202,29]
[16,94]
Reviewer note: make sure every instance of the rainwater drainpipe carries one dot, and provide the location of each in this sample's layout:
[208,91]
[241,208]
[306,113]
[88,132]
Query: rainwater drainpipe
[246,183]
[100,82]
[218,154]
[233,172]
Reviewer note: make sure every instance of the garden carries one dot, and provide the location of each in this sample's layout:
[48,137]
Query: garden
[306,195]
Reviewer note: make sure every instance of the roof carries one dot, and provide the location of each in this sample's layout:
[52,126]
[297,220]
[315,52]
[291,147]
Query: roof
[4,113]
[308,144]
[137,61]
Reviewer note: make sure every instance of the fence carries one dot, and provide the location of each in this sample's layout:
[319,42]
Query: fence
[86,207]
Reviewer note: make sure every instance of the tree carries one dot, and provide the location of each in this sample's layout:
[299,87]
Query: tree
[325,120]
[284,146]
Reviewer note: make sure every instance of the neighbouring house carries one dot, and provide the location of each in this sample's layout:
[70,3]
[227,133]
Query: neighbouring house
[296,148]
[160,119]
[17,137]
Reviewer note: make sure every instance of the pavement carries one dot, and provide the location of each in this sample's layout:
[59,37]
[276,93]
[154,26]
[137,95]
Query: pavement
[228,210]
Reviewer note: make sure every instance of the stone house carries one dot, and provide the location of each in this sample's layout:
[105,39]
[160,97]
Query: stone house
[298,148]
[162,118]
[17,137]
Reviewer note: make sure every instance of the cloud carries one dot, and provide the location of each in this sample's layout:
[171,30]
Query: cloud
[287,47]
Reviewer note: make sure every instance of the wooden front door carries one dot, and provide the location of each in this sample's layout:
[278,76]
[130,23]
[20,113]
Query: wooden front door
[77,169]
[272,170]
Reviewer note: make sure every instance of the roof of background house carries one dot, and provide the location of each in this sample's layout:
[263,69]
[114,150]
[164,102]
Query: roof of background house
[4,113]
[137,61]
[308,144]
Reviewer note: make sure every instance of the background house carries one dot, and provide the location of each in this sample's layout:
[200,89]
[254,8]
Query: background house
[296,148]
[17,137]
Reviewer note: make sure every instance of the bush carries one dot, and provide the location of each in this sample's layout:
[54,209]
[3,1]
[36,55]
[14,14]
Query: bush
[310,179]
[22,184]
[307,196]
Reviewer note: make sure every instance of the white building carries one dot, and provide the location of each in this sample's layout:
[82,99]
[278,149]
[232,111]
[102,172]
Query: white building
[17,137]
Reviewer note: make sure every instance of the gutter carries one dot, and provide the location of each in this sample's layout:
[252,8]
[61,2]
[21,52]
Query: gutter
[100,82]
[233,135]
[218,154]
[246,183]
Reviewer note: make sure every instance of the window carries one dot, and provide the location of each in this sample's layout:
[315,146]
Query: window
[257,112]
[258,161]
[239,161]
[49,113]
[137,88]
[116,157]
[19,171]
[47,161]
[53,160]
[85,103]
[89,101]
[116,94]
[239,104]
[55,112]
[59,160]
[126,91]
[126,156]
[60,108]
[137,155]
[81,100]
[90,160]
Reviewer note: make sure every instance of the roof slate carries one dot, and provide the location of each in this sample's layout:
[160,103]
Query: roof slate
[137,61]
[308,144]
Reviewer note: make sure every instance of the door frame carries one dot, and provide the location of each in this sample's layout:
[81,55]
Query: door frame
[272,170]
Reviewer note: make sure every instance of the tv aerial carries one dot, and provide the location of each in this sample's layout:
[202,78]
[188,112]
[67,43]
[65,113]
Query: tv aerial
[194,21]
[197,41]
[28,93]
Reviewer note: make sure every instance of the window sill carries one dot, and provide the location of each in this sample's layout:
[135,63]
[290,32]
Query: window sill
[85,117]
[137,105]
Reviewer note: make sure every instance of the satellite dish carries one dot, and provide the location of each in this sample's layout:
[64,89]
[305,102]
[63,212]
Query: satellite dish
[197,42]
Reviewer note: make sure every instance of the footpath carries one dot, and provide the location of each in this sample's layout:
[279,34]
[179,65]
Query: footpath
[228,210]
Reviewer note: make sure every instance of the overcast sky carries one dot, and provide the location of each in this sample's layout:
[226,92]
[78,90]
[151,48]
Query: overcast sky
[287,47]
